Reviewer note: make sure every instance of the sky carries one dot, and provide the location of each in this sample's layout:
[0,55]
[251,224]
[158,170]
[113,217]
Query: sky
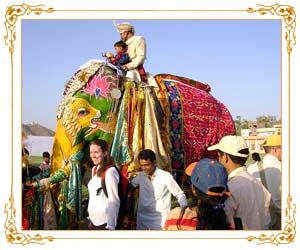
[239,59]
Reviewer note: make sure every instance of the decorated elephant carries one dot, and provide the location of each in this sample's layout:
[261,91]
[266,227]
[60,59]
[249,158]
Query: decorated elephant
[178,119]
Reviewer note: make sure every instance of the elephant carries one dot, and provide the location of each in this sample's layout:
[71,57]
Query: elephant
[178,119]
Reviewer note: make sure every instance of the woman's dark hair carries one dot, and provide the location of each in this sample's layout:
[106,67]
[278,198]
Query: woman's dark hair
[121,44]
[104,147]
[101,143]
[147,154]
[211,214]
[255,156]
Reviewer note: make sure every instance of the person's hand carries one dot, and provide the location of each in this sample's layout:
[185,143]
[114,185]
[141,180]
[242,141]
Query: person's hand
[45,183]
[124,67]
[109,55]
[42,185]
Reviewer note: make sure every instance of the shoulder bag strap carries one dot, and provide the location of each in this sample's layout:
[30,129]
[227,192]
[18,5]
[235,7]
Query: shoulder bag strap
[262,174]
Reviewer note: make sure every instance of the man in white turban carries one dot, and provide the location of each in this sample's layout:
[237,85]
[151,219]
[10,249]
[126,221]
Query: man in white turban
[136,52]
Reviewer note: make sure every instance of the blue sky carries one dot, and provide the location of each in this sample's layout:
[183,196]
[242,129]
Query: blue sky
[240,59]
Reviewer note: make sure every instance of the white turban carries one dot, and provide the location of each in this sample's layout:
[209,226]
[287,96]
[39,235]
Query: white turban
[121,27]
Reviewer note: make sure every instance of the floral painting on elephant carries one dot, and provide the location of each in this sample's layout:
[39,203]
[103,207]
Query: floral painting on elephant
[178,119]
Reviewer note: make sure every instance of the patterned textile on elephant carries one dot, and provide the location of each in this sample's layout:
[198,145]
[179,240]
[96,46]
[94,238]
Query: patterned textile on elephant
[139,127]
[177,118]
[195,119]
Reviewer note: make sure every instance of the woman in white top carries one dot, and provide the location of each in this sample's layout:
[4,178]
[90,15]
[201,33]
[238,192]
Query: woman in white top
[103,210]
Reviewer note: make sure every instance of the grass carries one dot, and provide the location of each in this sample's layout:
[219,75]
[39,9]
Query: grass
[36,160]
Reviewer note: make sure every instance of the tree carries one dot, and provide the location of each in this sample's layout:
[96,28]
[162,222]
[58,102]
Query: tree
[240,123]
[266,121]
[263,121]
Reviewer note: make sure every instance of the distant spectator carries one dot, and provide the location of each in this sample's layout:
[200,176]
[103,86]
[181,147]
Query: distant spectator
[46,163]
[268,171]
[28,170]
[255,156]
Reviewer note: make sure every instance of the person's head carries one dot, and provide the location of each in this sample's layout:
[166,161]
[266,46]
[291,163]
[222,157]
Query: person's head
[209,185]
[233,152]
[147,161]
[272,145]
[98,151]
[126,30]
[120,46]
[255,156]
[46,157]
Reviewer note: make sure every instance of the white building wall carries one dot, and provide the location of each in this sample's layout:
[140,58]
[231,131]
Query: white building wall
[39,144]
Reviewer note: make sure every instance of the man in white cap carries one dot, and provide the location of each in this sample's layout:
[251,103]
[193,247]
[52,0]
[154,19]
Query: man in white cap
[268,171]
[250,200]
[136,52]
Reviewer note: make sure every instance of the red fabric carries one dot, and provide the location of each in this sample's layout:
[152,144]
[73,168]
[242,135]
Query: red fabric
[26,208]
[142,73]
[206,121]
[123,178]
[183,222]
[188,81]
[117,57]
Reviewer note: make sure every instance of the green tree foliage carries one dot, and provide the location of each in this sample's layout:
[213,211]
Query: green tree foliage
[266,121]
[263,121]
[240,123]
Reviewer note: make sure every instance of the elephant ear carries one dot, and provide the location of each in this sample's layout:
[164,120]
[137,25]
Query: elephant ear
[80,136]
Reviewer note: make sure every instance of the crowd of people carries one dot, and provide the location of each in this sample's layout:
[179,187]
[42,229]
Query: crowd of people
[33,201]
[224,194]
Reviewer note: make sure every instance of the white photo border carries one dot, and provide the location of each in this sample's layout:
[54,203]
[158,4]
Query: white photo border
[15,13]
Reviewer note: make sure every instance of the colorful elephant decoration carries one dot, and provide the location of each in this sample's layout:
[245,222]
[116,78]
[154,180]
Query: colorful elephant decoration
[178,119]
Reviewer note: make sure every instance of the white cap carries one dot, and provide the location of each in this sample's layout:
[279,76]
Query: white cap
[231,145]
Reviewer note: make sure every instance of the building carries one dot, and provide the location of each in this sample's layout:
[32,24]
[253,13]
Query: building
[39,144]
[255,137]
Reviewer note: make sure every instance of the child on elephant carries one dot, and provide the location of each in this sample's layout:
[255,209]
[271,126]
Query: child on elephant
[121,57]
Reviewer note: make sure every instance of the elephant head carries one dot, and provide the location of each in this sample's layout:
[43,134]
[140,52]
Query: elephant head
[87,111]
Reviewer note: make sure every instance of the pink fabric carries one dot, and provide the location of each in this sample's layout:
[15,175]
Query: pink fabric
[206,121]
[44,166]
